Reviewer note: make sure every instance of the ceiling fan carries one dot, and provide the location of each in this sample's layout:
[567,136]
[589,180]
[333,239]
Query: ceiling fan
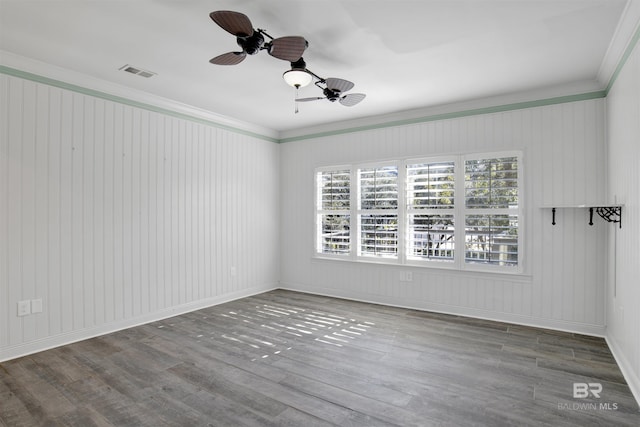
[252,41]
[334,89]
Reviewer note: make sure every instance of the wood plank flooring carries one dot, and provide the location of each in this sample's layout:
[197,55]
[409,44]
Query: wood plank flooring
[290,359]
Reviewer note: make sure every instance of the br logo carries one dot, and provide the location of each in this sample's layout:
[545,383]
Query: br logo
[583,390]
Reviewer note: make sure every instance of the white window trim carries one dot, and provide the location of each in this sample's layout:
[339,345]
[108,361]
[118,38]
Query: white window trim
[519,211]
[358,212]
[435,263]
[317,212]
[459,211]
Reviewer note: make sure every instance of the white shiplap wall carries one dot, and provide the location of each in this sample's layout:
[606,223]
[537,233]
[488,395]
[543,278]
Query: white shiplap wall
[565,265]
[623,290]
[114,215]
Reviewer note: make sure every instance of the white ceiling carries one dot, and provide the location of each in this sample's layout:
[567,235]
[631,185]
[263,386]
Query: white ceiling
[402,54]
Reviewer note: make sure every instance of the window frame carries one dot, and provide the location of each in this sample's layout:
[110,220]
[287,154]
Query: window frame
[319,211]
[431,262]
[517,211]
[359,212]
[403,212]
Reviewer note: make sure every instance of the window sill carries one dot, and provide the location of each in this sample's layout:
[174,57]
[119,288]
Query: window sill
[488,273]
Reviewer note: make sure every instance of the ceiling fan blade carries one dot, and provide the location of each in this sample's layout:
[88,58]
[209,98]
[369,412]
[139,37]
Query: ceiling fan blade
[315,98]
[235,23]
[229,58]
[339,85]
[288,48]
[351,99]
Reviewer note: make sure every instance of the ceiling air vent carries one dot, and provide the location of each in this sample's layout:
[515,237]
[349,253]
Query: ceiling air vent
[138,71]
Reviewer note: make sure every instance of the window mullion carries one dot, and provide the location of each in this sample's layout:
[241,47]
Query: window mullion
[355,218]
[402,212]
[459,213]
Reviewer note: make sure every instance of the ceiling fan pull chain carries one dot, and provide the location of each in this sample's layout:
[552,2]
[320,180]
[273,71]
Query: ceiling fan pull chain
[295,98]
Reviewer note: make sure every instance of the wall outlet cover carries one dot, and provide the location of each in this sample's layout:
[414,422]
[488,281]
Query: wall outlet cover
[24,307]
[36,306]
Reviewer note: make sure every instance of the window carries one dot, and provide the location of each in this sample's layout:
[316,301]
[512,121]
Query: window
[430,210]
[333,213]
[452,212]
[491,203]
[378,211]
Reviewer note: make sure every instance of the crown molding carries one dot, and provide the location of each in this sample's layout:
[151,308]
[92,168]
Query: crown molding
[626,37]
[17,66]
[622,43]
[30,69]
[576,91]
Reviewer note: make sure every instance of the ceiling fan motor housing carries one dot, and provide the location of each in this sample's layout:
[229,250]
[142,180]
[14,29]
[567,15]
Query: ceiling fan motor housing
[331,94]
[251,45]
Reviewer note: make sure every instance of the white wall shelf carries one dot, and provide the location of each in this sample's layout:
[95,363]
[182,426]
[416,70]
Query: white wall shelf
[608,212]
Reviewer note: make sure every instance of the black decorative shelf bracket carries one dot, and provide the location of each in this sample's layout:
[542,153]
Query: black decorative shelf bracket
[611,214]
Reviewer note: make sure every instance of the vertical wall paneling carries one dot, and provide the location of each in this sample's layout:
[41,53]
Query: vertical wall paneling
[28,204]
[98,208]
[142,249]
[150,247]
[41,223]
[118,213]
[109,190]
[115,215]
[623,292]
[561,287]
[14,211]
[52,294]
[4,208]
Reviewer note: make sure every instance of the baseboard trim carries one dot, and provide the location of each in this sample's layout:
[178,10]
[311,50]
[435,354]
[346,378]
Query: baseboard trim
[557,325]
[47,343]
[633,381]
[24,349]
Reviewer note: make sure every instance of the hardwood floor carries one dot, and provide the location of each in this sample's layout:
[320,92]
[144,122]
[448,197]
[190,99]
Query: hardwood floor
[289,359]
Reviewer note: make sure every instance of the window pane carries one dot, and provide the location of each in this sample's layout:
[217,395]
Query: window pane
[430,185]
[491,239]
[431,237]
[379,235]
[335,190]
[491,183]
[334,237]
[378,188]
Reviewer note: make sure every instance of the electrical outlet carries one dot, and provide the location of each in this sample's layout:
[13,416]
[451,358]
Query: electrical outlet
[24,307]
[36,306]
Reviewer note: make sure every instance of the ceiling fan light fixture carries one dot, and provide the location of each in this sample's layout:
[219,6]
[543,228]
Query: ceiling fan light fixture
[297,78]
